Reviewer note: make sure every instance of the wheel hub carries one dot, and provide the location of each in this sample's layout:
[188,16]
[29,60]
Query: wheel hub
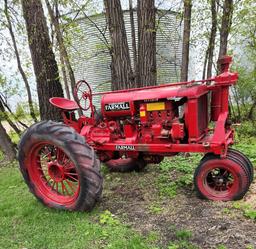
[56,171]
[220,181]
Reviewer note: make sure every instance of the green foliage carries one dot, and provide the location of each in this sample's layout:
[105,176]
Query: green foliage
[244,33]
[181,163]
[156,208]
[14,137]
[1,155]
[21,111]
[250,213]
[183,234]
[2,116]
[176,172]
[246,129]
[182,240]
[249,247]
[153,236]
[244,94]
[182,245]
[247,145]
[221,247]
[248,210]
[107,218]
[166,187]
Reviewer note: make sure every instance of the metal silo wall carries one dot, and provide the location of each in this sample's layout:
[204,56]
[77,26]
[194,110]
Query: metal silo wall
[91,60]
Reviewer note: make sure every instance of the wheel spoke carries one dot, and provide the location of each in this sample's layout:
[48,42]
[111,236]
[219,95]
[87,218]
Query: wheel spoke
[60,156]
[70,184]
[48,182]
[64,188]
[225,173]
[69,173]
[47,153]
[80,90]
[67,164]
[219,179]
[56,172]
[73,178]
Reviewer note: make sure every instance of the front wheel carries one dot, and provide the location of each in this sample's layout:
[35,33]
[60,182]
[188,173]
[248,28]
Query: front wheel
[221,179]
[60,169]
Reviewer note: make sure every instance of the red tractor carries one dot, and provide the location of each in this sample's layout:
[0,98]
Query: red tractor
[60,162]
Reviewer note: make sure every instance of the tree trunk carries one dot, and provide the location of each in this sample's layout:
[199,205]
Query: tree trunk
[24,77]
[121,69]
[186,40]
[236,98]
[250,113]
[134,45]
[10,111]
[6,144]
[7,118]
[65,78]
[226,23]
[43,59]
[61,44]
[212,38]
[147,42]
[205,62]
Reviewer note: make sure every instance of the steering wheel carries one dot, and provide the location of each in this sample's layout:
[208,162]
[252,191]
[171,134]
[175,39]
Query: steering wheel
[83,95]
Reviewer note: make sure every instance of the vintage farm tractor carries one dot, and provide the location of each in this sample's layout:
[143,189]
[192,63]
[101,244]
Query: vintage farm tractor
[60,162]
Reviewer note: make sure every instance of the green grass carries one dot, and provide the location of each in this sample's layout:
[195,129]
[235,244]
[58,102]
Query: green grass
[182,240]
[176,173]
[1,155]
[25,223]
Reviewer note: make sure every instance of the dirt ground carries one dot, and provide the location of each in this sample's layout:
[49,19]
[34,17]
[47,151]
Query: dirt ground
[131,196]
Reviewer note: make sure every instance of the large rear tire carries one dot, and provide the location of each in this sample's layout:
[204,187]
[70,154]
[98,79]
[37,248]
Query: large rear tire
[60,169]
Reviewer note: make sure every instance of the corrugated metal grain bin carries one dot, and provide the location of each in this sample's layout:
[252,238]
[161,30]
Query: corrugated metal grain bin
[91,59]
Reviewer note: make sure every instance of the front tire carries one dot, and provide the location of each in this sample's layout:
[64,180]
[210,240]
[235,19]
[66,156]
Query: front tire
[244,159]
[60,169]
[221,179]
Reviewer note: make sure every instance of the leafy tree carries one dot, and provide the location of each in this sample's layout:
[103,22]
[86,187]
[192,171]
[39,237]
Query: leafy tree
[208,64]
[17,55]
[244,31]
[43,59]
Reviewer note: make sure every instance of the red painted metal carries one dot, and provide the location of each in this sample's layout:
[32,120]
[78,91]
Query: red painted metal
[159,120]
[218,180]
[53,174]
[83,96]
[65,104]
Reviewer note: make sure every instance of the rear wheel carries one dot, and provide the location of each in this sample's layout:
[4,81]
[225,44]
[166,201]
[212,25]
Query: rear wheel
[60,169]
[221,179]
[126,164]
